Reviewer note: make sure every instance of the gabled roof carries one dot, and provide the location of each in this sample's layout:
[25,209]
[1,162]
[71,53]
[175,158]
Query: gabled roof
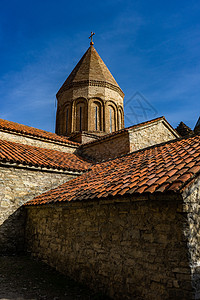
[133,127]
[184,130]
[11,152]
[90,68]
[164,168]
[33,132]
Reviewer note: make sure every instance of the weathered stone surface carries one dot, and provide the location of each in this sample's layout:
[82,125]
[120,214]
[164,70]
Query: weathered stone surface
[192,210]
[129,140]
[18,185]
[107,148]
[152,134]
[130,250]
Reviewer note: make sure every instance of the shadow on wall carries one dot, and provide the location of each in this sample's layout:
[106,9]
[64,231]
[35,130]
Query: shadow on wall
[12,233]
[196,282]
[25,278]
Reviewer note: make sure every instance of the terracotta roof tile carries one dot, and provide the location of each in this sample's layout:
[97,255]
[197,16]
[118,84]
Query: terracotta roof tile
[151,189]
[191,163]
[151,181]
[173,178]
[195,169]
[161,173]
[162,179]
[185,177]
[163,187]
[38,157]
[175,186]
[171,172]
[123,191]
[143,171]
[31,131]
[141,189]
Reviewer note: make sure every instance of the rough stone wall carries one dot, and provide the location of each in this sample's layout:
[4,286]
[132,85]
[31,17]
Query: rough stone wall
[107,148]
[17,138]
[152,134]
[83,137]
[128,249]
[126,142]
[16,187]
[192,208]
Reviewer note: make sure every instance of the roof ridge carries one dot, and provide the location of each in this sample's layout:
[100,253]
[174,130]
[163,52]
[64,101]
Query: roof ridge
[126,130]
[32,131]
[98,57]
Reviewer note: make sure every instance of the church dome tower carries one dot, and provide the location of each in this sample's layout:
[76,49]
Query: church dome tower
[90,100]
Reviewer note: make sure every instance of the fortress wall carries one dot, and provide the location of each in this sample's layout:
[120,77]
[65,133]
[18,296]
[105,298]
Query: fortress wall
[129,248]
[37,142]
[18,185]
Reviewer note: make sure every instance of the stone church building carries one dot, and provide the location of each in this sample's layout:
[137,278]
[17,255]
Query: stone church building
[114,208]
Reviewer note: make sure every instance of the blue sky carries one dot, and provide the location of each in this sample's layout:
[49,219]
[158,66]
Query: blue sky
[152,48]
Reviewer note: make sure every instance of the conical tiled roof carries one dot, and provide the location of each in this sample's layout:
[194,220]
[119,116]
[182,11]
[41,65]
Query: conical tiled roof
[184,130]
[90,70]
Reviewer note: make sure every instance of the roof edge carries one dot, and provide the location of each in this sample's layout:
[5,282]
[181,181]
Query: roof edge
[137,197]
[22,132]
[122,131]
[46,140]
[42,169]
[90,82]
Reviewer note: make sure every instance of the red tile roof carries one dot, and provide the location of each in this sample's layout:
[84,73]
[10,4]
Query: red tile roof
[31,131]
[162,168]
[34,156]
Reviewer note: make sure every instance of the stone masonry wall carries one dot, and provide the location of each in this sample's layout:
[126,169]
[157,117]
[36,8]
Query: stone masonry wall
[155,133]
[192,208]
[107,148]
[126,142]
[17,138]
[128,248]
[17,186]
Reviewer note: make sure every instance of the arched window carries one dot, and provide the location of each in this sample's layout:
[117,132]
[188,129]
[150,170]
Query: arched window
[97,116]
[112,119]
[80,116]
[120,119]
[58,122]
[67,120]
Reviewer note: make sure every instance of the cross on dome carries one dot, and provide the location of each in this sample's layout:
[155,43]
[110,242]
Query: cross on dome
[91,37]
